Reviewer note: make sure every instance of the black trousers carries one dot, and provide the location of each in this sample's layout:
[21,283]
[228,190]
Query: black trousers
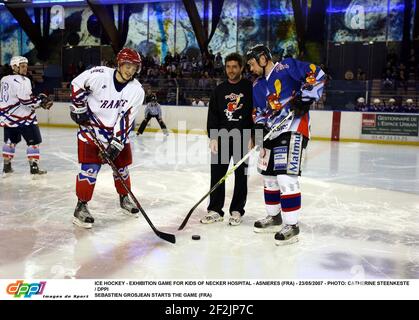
[30,133]
[146,120]
[219,166]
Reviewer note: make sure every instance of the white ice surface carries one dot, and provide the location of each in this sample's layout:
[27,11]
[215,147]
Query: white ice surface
[360,216]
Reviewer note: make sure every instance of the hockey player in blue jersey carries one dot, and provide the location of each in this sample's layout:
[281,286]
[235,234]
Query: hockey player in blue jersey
[287,86]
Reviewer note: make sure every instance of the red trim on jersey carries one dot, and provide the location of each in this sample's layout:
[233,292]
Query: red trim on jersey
[23,118]
[303,126]
[10,107]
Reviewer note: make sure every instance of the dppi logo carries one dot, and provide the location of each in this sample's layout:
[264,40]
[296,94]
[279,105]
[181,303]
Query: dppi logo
[27,290]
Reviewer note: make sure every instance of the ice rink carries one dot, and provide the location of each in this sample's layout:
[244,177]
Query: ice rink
[360,216]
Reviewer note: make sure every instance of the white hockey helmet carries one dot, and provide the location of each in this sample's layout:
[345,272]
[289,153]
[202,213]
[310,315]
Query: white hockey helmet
[360,100]
[391,100]
[409,101]
[17,60]
[376,101]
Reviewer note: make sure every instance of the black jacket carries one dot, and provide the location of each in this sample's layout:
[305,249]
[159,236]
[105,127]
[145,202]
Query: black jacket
[230,107]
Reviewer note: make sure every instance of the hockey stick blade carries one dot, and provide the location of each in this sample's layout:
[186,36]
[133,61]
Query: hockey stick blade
[165,236]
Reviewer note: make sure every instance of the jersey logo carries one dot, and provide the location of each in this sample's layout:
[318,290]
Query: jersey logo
[311,76]
[273,99]
[104,86]
[112,104]
[233,106]
[97,70]
[281,66]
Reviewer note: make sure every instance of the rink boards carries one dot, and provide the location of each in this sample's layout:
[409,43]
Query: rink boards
[325,125]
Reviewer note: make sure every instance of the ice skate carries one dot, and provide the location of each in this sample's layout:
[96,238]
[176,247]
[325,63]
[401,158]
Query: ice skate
[287,235]
[128,207]
[82,216]
[7,169]
[268,224]
[34,169]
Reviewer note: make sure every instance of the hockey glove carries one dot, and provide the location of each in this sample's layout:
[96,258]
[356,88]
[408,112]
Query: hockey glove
[80,115]
[46,102]
[114,149]
[300,105]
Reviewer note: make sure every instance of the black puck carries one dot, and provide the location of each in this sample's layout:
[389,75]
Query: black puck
[196,237]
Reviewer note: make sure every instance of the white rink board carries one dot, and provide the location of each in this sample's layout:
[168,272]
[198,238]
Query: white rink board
[186,118]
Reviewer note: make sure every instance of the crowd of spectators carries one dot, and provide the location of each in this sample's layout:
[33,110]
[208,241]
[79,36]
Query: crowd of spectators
[189,79]
[396,73]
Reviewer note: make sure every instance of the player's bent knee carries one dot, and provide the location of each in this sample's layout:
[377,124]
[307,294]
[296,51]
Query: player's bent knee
[289,184]
[270,183]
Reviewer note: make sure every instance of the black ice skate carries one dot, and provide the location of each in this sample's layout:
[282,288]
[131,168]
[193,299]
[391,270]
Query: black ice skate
[7,169]
[268,224]
[82,216]
[128,207]
[287,235]
[34,168]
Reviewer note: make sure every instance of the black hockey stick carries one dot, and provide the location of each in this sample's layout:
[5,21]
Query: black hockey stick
[229,172]
[165,236]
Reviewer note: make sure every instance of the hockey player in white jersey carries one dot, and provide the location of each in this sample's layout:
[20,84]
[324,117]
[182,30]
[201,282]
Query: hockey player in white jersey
[152,110]
[106,100]
[18,117]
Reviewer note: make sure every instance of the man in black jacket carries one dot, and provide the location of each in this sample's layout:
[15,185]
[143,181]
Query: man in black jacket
[229,127]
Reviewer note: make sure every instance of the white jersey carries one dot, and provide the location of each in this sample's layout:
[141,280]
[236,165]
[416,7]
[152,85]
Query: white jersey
[153,109]
[112,106]
[17,104]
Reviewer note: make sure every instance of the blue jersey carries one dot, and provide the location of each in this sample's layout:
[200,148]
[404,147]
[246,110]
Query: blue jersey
[272,94]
